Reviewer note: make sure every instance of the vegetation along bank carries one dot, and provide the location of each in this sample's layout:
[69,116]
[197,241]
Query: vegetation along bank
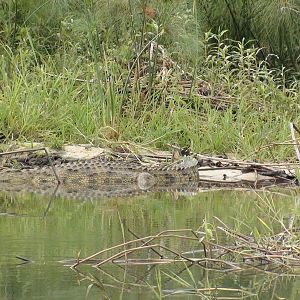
[216,76]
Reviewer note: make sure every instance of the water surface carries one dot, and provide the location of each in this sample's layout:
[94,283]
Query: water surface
[47,231]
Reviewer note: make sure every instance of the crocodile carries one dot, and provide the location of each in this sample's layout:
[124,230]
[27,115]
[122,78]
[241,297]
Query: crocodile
[101,177]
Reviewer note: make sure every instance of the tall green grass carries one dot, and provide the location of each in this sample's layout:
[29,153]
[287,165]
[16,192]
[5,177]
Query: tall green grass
[273,25]
[64,78]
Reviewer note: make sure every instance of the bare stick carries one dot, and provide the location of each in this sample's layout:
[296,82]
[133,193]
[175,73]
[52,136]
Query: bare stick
[239,162]
[24,259]
[149,238]
[120,254]
[162,234]
[50,202]
[295,146]
[123,235]
[137,237]
[34,150]
[68,78]
[296,128]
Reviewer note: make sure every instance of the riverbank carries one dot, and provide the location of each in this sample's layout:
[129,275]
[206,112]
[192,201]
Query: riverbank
[215,172]
[83,79]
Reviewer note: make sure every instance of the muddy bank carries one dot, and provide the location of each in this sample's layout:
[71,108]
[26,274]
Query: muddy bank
[214,172]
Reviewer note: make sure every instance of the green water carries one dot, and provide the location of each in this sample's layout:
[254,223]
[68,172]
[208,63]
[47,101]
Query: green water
[47,232]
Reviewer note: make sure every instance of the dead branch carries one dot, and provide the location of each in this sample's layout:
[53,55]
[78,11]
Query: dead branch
[34,150]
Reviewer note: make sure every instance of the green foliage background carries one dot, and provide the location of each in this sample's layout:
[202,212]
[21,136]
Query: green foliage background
[64,72]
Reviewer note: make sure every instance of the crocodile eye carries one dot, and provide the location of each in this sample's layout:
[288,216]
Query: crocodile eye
[145,181]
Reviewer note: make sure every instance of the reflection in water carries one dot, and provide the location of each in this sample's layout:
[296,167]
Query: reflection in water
[47,230]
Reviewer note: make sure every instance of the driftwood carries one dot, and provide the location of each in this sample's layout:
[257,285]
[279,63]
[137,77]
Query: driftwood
[278,254]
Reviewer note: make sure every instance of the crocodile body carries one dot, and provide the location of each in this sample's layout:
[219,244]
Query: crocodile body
[100,177]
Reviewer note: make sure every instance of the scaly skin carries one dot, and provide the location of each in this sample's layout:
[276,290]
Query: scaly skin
[100,177]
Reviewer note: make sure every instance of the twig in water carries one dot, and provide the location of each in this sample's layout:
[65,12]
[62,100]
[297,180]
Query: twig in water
[50,202]
[24,260]
[162,234]
[120,254]
[123,235]
[136,236]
